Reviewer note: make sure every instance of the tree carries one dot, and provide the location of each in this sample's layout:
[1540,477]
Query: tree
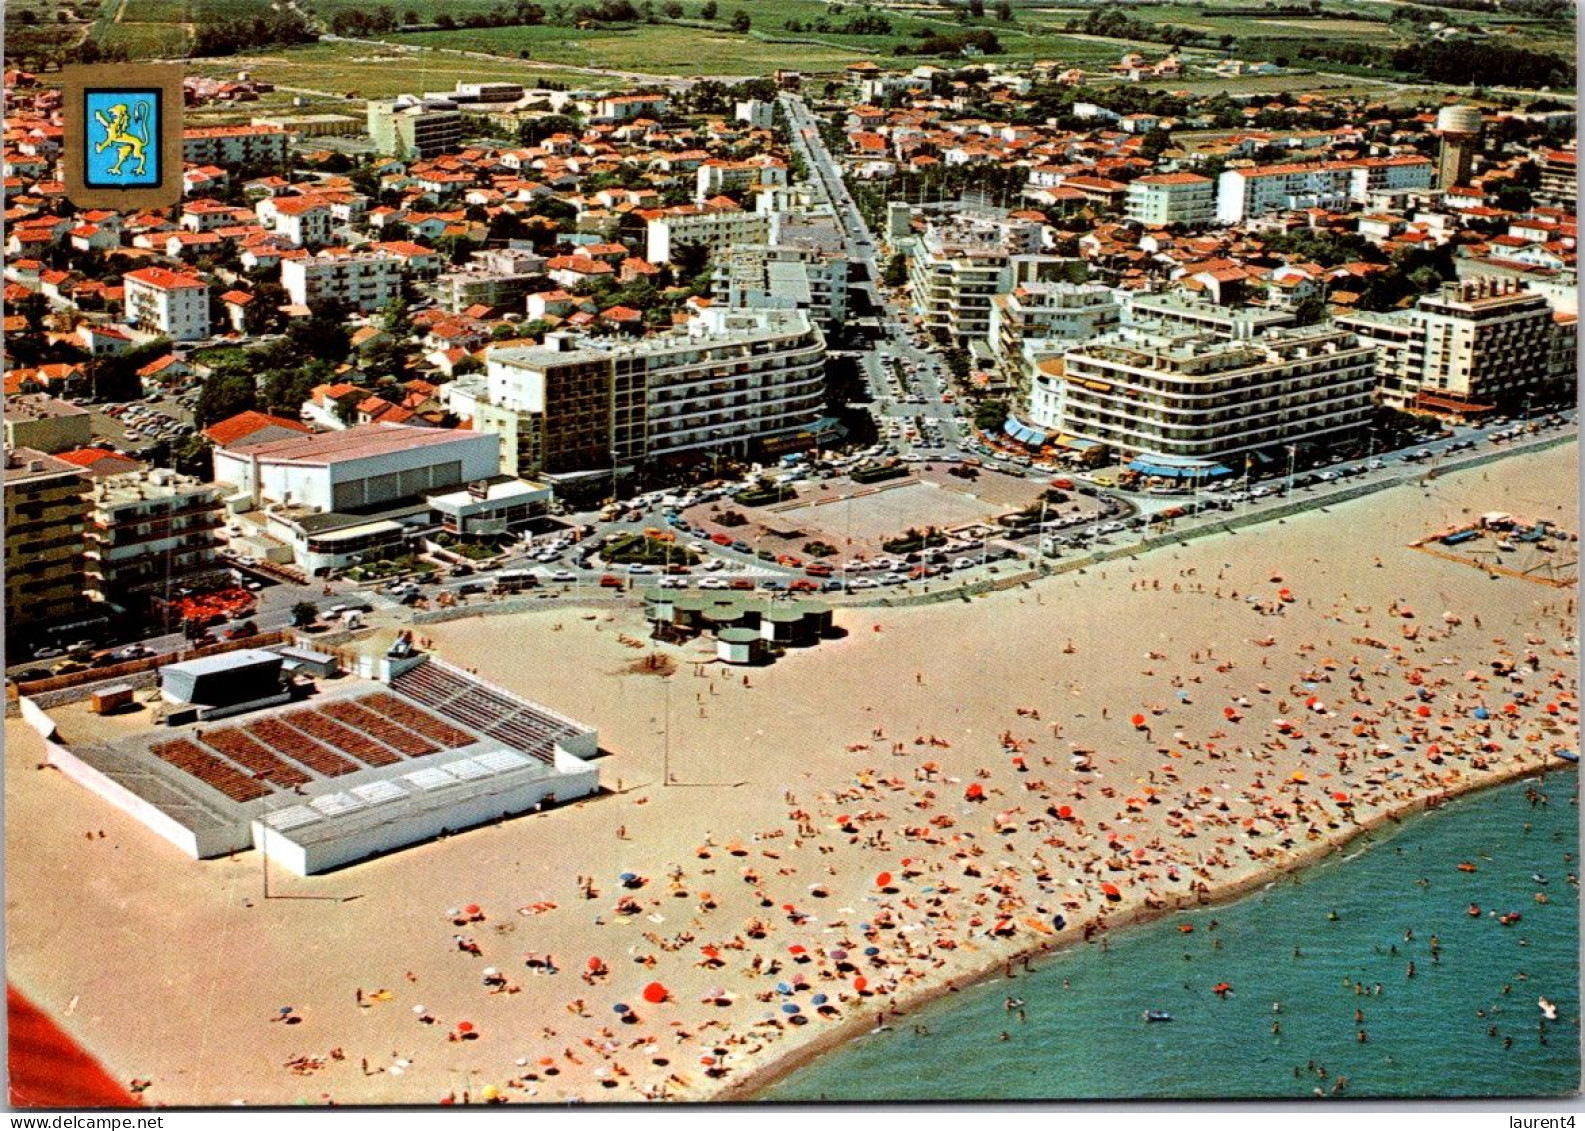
[1004,11]
[708,10]
[1309,311]
[740,21]
[673,10]
[223,395]
[896,273]
[304,613]
[396,318]
[976,9]
[990,414]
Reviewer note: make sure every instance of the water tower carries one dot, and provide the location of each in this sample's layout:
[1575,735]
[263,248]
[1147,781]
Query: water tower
[1459,129]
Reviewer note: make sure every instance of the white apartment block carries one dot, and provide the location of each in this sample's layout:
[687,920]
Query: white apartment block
[716,229]
[1478,344]
[626,107]
[302,219]
[150,533]
[761,276]
[730,378]
[1171,198]
[1244,194]
[959,264]
[364,280]
[1195,397]
[1046,317]
[715,177]
[230,146]
[170,302]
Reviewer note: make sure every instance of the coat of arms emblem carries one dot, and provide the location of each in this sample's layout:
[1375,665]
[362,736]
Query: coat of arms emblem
[122,143]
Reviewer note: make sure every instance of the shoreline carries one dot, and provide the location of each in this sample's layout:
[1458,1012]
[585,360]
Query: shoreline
[746,1089]
[1185,676]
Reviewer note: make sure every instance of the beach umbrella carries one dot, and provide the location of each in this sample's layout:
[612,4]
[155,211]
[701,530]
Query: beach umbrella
[1423,711]
[621,1007]
[1110,891]
[975,792]
[464,1026]
[796,948]
[871,951]
[883,880]
[1138,721]
[783,988]
[420,1010]
[839,955]
[819,999]
[1058,922]
[861,984]
[655,993]
[472,909]
[491,972]
[595,963]
[790,1008]
[491,1093]
[1482,713]
[627,877]
[285,1009]
[1065,812]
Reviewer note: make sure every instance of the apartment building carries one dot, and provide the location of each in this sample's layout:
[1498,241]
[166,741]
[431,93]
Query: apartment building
[1475,345]
[302,219]
[1171,198]
[1559,177]
[731,377]
[1243,194]
[1201,399]
[626,107]
[1178,311]
[413,129]
[231,146]
[762,276]
[46,510]
[715,177]
[1045,318]
[718,230]
[959,264]
[363,280]
[497,277]
[169,302]
[148,534]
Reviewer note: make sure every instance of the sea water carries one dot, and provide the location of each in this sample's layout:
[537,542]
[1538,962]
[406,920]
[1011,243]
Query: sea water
[1301,957]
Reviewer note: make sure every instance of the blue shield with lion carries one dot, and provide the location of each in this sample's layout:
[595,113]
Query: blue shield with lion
[122,146]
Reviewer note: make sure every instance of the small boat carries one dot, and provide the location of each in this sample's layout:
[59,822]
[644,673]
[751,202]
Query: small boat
[1157,1015]
[1538,877]
[1567,755]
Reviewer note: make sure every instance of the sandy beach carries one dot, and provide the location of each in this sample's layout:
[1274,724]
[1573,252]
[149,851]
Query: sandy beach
[863,823]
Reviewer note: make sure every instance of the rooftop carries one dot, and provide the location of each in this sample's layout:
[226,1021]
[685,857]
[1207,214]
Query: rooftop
[363,441]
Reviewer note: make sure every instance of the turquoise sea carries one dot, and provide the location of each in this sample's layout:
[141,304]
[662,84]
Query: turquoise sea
[1303,956]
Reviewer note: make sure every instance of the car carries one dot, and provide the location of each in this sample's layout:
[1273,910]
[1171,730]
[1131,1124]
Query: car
[564,575]
[713,583]
[674,583]
[640,567]
[741,583]
[610,581]
[742,547]
[1375,465]
[803,585]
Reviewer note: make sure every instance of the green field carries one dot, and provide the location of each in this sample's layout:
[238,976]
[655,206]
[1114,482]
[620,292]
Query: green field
[145,41]
[340,68]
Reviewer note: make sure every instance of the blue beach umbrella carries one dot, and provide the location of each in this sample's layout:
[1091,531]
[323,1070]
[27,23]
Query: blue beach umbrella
[789,1008]
[871,951]
[819,999]
[1482,713]
[783,987]
[621,1007]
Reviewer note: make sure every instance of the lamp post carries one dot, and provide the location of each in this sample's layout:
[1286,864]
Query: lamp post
[1293,450]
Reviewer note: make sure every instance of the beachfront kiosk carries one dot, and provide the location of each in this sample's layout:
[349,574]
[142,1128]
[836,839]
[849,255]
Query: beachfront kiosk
[739,646]
[676,617]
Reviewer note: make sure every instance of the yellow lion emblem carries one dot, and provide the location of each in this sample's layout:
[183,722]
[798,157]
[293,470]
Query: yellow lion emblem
[120,134]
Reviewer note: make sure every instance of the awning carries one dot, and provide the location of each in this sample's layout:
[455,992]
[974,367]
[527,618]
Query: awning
[1025,433]
[1178,471]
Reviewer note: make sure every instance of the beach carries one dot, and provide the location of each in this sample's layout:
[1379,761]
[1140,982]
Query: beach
[867,823]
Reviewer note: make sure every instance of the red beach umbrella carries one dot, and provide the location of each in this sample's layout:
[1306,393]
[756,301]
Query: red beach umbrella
[883,880]
[655,993]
